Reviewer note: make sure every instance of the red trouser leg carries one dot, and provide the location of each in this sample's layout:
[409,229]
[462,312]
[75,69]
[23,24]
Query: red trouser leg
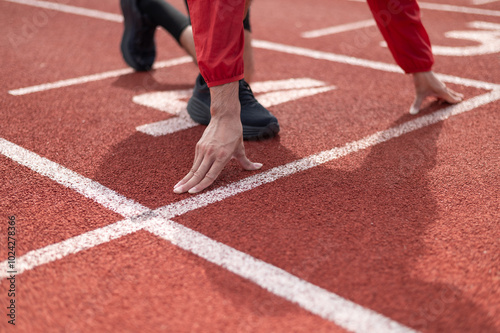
[219,39]
[400,24]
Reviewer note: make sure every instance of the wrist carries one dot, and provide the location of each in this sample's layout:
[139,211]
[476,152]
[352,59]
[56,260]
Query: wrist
[225,101]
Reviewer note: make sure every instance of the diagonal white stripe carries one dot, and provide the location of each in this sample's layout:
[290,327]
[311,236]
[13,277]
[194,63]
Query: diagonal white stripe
[319,301]
[71,9]
[182,122]
[343,59]
[482,2]
[338,29]
[75,244]
[94,77]
[87,187]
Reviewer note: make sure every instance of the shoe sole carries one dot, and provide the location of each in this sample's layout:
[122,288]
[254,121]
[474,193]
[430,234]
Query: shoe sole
[197,110]
[128,19]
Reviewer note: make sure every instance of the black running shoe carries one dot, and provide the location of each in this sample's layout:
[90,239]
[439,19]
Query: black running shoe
[258,122]
[138,45]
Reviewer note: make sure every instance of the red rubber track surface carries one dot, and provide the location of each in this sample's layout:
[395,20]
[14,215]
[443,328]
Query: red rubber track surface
[408,228]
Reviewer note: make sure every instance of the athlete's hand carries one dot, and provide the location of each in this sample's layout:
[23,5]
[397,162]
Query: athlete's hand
[428,85]
[221,141]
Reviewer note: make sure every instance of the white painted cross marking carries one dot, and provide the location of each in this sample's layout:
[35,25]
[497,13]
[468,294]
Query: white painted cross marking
[174,102]
[488,37]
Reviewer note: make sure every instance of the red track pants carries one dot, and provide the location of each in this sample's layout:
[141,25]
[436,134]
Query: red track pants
[219,38]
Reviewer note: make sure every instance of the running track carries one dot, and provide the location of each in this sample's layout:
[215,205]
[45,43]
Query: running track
[363,218]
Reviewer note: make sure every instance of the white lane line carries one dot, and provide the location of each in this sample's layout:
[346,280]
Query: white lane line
[320,55]
[319,301]
[71,9]
[287,84]
[482,2]
[164,127]
[73,245]
[279,97]
[171,101]
[280,282]
[338,29]
[87,187]
[95,77]
[452,8]
[467,82]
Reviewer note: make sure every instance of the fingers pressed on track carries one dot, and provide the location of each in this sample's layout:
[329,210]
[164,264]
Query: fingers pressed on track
[209,177]
[195,176]
[451,96]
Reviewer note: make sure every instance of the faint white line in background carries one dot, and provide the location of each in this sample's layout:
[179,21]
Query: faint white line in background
[71,9]
[338,29]
[482,2]
[94,77]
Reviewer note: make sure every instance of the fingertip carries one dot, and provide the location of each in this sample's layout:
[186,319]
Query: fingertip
[453,97]
[250,166]
[178,190]
[414,110]
[193,190]
[459,97]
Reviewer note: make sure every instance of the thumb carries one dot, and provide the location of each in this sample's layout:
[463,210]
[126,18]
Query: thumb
[240,156]
[415,107]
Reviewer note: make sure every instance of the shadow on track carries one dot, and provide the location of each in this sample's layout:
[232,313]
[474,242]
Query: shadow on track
[357,231]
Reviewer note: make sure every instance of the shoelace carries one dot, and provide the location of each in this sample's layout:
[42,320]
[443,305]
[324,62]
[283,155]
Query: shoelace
[246,94]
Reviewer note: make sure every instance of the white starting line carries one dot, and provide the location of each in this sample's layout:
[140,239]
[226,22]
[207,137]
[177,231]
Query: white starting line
[137,217]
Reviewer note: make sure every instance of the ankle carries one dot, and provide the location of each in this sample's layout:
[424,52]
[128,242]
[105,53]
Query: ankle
[187,42]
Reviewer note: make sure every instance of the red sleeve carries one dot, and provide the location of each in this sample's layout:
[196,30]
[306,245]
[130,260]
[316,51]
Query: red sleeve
[219,39]
[400,24]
